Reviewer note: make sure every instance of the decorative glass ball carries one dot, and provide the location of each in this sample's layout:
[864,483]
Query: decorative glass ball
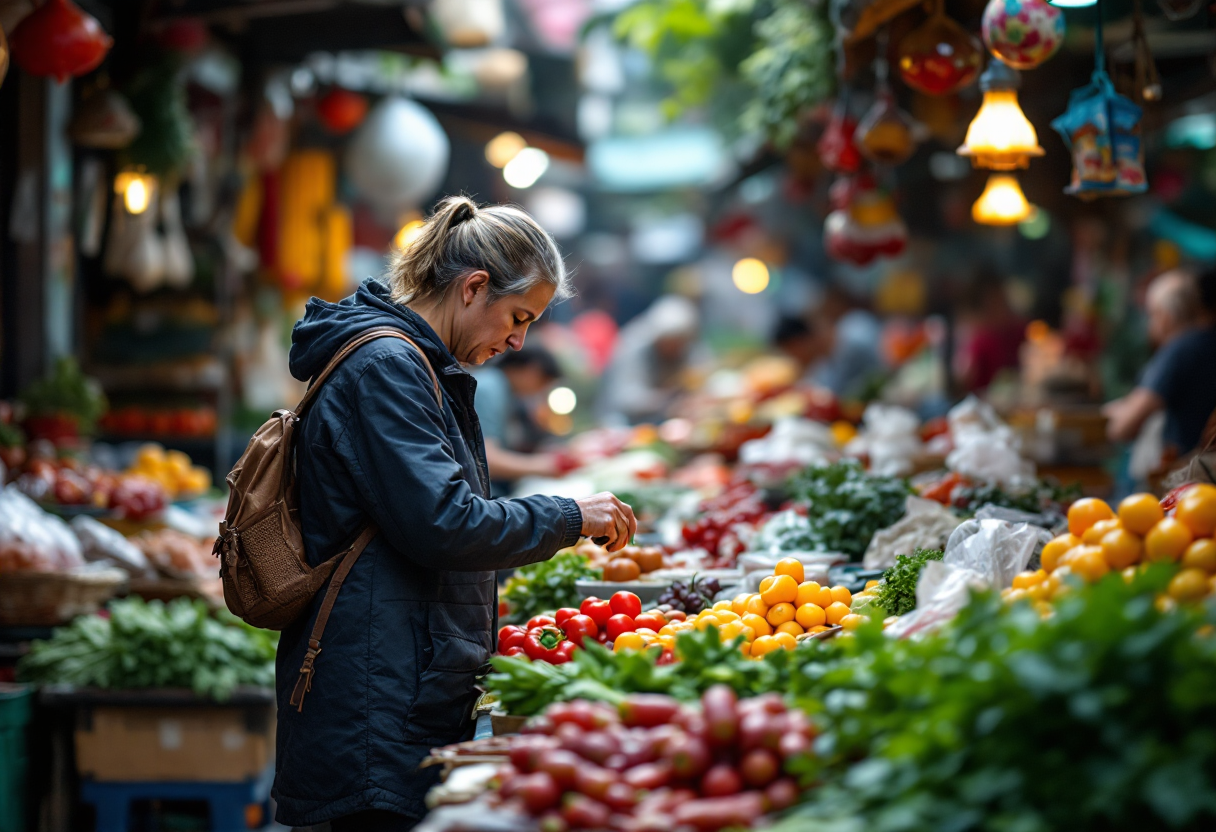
[1023,33]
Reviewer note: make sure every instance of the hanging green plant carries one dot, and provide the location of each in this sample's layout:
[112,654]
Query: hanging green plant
[158,96]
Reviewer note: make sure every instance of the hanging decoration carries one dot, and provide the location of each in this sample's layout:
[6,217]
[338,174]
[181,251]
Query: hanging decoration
[398,157]
[939,57]
[1000,136]
[1002,202]
[1176,10]
[856,20]
[104,121]
[3,56]
[1148,83]
[863,224]
[306,193]
[1022,33]
[467,24]
[836,148]
[165,140]
[59,40]
[885,134]
[1102,131]
[341,110]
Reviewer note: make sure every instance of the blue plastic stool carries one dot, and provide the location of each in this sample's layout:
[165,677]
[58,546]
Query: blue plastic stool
[226,801]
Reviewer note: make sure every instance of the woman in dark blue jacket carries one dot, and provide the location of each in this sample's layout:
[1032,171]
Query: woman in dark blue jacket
[414,622]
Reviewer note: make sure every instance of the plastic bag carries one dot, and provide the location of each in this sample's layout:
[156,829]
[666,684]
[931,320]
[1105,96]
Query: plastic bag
[985,448]
[31,539]
[891,439]
[926,524]
[796,440]
[101,544]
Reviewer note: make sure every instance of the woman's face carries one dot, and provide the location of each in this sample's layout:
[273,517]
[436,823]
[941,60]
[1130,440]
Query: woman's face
[482,330]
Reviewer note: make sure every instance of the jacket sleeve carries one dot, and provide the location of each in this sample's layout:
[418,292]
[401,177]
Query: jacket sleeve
[401,458]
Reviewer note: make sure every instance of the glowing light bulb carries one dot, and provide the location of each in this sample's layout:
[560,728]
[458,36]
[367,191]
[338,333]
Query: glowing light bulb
[562,401]
[136,190]
[1000,137]
[1002,202]
[750,276]
[408,233]
[504,147]
[527,167]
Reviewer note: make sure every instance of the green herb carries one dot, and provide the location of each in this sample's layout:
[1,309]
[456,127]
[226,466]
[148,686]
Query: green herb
[155,645]
[846,506]
[1042,496]
[897,592]
[547,586]
[67,391]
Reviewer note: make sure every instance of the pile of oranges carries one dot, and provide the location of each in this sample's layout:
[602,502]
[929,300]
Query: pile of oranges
[1100,540]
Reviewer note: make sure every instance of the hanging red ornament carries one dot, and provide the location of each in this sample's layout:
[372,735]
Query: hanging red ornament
[886,134]
[58,39]
[939,57]
[341,111]
[836,149]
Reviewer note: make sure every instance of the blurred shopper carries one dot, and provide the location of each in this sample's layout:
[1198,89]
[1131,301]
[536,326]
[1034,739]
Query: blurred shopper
[649,367]
[1180,378]
[794,338]
[850,341]
[391,443]
[995,337]
[508,392]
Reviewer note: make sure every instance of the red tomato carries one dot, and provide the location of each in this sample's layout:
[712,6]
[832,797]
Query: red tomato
[580,626]
[540,621]
[561,616]
[597,610]
[676,615]
[650,620]
[619,624]
[626,603]
[510,636]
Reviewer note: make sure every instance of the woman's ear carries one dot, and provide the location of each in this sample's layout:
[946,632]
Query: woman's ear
[474,283]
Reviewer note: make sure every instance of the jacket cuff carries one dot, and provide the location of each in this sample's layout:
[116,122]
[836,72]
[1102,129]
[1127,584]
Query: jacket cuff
[574,521]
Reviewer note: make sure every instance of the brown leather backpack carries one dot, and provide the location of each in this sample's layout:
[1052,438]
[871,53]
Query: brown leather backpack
[267,580]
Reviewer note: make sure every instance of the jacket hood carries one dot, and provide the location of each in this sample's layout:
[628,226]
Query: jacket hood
[325,327]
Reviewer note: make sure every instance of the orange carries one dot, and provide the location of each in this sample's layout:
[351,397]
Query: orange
[748,633]
[738,604]
[1067,557]
[842,594]
[810,615]
[756,606]
[730,630]
[1121,548]
[786,640]
[808,593]
[790,628]
[1090,563]
[1201,555]
[1055,549]
[835,612]
[722,605]
[871,584]
[1189,585]
[758,624]
[783,590]
[726,615]
[778,614]
[1140,512]
[791,567]
[852,621]
[766,583]
[764,645]
[746,648]
[705,622]
[1167,540]
[1025,580]
[1197,509]
[1085,512]
[1094,534]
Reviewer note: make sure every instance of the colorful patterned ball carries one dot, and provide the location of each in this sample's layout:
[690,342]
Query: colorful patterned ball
[1023,33]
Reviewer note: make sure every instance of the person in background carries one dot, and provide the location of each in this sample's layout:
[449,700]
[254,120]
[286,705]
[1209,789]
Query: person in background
[794,338]
[850,344]
[995,339]
[1180,378]
[507,391]
[648,370]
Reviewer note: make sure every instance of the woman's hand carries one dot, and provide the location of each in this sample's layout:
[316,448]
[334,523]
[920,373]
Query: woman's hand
[606,516]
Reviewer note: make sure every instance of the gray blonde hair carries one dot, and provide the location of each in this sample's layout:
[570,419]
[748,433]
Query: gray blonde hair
[461,237]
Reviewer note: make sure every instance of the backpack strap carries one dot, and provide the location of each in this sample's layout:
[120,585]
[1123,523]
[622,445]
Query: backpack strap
[354,344]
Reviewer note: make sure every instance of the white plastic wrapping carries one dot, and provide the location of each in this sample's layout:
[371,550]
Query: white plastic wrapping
[31,539]
[890,438]
[926,524]
[792,439]
[101,544]
[985,448]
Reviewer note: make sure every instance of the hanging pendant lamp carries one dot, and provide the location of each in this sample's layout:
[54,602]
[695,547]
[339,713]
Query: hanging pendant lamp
[1002,202]
[1000,136]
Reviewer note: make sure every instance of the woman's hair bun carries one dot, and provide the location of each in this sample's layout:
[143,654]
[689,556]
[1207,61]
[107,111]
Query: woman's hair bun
[461,207]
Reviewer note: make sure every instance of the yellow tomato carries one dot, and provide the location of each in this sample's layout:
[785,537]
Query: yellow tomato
[764,645]
[783,590]
[808,593]
[791,567]
[785,640]
[668,630]
[789,628]
[722,605]
[1085,512]
[1055,549]
[852,621]
[1167,540]
[1012,596]
[1140,512]
[704,623]
[1121,548]
[835,612]
[628,641]
[1197,509]
[871,584]
[1025,580]
[810,615]
[746,648]
[756,606]
[1090,563]
[726,616]
[1189,585]
[739,604]
[778,614]
[766,583]
[1094,534]
[645,632]
[730,630]
[842,594]
[758,624]
[1201,555]
[748,633]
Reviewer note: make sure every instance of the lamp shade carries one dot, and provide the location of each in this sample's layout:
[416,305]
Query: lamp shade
[1000,136]
[1002,202]
[398,156]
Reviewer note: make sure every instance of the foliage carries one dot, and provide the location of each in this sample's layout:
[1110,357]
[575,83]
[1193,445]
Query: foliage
[67,391]
[897,592]
[547,586]
[154,645]
[1042,496]
[845,506]
[166,137]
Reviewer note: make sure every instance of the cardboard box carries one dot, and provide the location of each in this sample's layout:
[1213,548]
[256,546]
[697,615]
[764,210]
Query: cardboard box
[146,743]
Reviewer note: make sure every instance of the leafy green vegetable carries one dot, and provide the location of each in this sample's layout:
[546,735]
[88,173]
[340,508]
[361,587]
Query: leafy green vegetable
[547,586]
[845,506]
[897,592]
[1042,496]
[67,391]
[154,645]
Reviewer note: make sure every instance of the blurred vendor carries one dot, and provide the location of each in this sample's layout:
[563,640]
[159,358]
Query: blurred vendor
[838,348]
[649,366]
[1180,379]
[995,336]
[508,391]
[793,338]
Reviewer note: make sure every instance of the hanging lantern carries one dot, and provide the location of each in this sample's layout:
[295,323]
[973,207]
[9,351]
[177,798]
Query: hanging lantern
[341,110]
[137,189]
[399,155]
[59,40]
[1002,202]
[836,148]
[939,57]
[885,134]
[1000,136]
[1102,131]
[863,224]
[105,121]
[467,24]
[1022,33]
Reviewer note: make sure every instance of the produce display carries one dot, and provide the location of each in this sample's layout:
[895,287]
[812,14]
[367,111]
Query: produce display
[845,506]
[547,586]
[553,638]
[67,483]
[172,470]
[691,596]
[895,594]
[725,523]
[964,494]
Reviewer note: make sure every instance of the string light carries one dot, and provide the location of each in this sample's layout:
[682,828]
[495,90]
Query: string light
[750,276]
[136,188]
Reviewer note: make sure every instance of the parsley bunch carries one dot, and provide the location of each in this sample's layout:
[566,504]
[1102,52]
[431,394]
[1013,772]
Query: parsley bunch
[897,592]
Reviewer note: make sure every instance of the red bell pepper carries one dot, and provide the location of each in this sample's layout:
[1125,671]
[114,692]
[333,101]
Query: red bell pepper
[565,652]
[517,650]
[511,636]
[542,644]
